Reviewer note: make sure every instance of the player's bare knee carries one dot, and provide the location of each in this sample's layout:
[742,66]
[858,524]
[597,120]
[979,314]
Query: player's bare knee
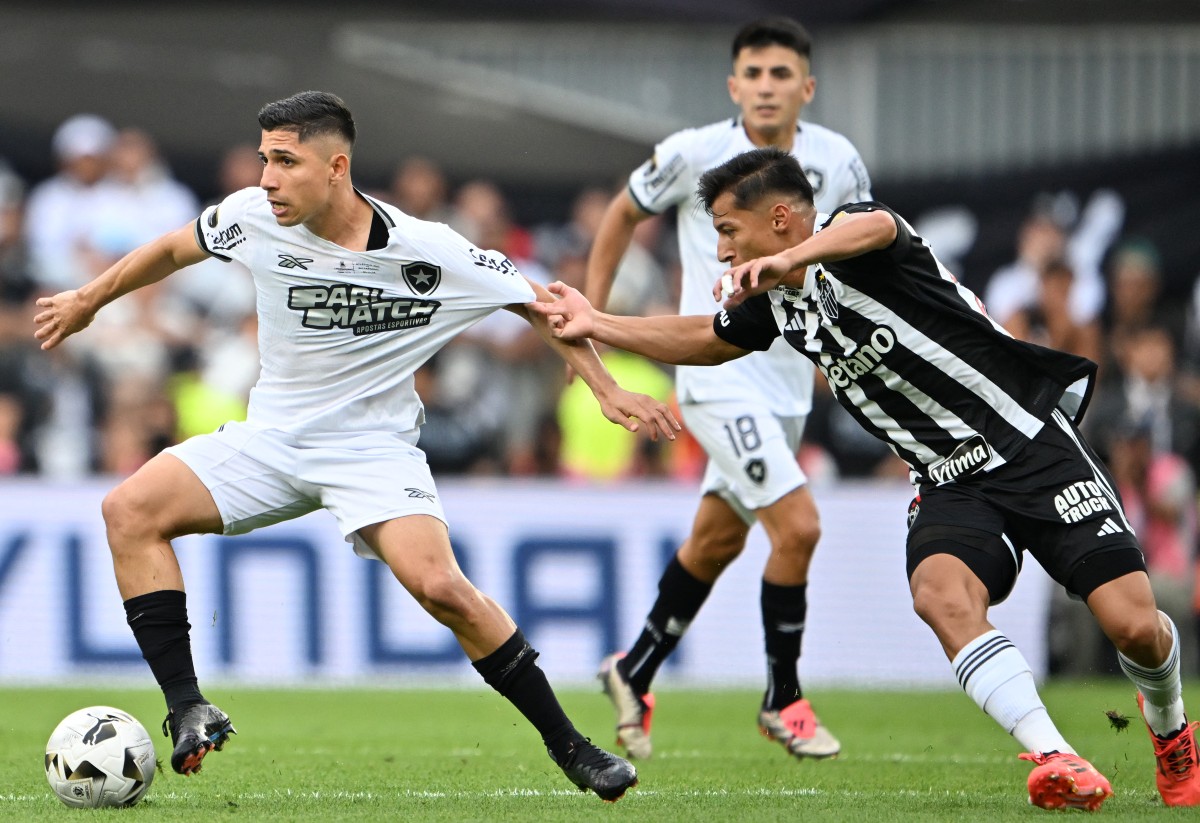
[127,517]
[1138,635]
[717,549]
[941,605]
[449,598]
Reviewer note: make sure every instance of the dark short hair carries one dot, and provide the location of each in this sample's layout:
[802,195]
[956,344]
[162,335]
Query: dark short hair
[309,113]
[752,175]
[773,31]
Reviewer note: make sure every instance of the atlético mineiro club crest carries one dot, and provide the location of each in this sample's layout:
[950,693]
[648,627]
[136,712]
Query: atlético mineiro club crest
[423,278]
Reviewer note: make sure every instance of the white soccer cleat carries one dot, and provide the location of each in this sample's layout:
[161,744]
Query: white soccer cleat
[633,712]
[799,731]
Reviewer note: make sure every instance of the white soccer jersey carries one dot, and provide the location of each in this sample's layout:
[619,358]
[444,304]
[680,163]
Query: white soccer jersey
[669,179]
[341,332]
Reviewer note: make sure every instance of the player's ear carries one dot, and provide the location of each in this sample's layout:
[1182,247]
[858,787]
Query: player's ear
[781,216]
[339,167]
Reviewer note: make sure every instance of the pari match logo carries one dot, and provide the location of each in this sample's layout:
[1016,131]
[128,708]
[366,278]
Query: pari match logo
[361,309]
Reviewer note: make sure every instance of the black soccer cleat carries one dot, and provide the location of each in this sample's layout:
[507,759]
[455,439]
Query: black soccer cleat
[195,730]
[590,767]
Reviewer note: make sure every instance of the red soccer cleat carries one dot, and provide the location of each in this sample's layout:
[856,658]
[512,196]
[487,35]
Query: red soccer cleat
[1178,774]
[1066,781]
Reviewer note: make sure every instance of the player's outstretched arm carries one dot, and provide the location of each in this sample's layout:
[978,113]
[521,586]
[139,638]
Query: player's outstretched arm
[625,408]
[850,235]
[68,312]
[686,340]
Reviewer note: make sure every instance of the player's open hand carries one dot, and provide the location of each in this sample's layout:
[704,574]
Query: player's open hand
[756,277]
[63,314]
[571,316]
[626,408]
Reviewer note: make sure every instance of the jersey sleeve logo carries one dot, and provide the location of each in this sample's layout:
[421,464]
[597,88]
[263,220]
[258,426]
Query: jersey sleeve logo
[225,239]
[656,179]
[423,278]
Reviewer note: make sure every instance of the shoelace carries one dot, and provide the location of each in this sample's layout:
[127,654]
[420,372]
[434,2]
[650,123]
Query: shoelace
[1180,758]
[585,754]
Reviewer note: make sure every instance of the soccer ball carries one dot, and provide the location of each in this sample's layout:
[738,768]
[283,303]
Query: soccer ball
[100,756]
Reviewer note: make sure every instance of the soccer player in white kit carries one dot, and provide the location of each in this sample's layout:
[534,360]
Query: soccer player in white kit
[748,415]
[353,296]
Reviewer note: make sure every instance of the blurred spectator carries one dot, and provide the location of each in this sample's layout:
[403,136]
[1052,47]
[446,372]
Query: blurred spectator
[1145,389]
[1049,321]
[1056,230]
[22,399]
[141,200]
[419,188]
[1135,287]
[64,210]
[640,285]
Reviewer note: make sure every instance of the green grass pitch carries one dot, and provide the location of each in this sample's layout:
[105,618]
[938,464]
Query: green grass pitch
[466,755]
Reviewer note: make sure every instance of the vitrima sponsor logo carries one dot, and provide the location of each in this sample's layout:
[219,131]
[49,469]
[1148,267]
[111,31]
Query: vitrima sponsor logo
[969,458]
[225,239]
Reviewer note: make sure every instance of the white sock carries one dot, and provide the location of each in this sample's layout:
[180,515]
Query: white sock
[1161,688]
[995,675]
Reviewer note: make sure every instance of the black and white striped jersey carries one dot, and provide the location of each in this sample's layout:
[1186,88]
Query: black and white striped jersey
[912,354]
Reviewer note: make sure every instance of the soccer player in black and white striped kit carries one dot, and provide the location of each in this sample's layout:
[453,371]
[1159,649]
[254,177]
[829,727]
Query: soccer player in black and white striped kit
[987,424]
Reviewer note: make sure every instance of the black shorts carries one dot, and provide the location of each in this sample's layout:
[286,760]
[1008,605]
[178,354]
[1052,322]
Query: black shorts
[1056,500]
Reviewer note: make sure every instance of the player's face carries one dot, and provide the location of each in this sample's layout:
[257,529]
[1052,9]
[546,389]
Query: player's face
[744,234]
[771,85]
[297,176]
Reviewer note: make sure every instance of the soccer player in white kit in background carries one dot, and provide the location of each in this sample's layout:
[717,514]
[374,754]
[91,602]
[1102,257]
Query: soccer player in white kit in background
[353,296]
[749,414]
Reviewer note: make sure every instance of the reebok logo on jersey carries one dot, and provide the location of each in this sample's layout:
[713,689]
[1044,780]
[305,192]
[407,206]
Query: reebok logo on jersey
[1079,501]
[842,371]
[970,457]
[423,278]
[361,309]
[225,239]
[421,493]
[290,261]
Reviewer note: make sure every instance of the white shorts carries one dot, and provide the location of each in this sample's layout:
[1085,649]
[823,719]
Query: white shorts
[751,453]
[262,476]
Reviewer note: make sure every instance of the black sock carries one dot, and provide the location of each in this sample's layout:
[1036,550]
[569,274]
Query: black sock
[511,670]
[680,596]
[783,610]
[160,626]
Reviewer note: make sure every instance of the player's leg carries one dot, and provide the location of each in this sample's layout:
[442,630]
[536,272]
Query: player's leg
[162,500]
[718,536]
[417,550]
[955,574]
[1096,556]
[786,716]
[1148,650]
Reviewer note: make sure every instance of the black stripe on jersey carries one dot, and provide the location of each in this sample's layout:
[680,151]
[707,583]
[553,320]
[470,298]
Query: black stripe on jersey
[204,246]
[926,404]
[379,210]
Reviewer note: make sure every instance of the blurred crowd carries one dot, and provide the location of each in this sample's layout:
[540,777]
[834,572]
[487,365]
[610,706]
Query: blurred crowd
[179,358]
